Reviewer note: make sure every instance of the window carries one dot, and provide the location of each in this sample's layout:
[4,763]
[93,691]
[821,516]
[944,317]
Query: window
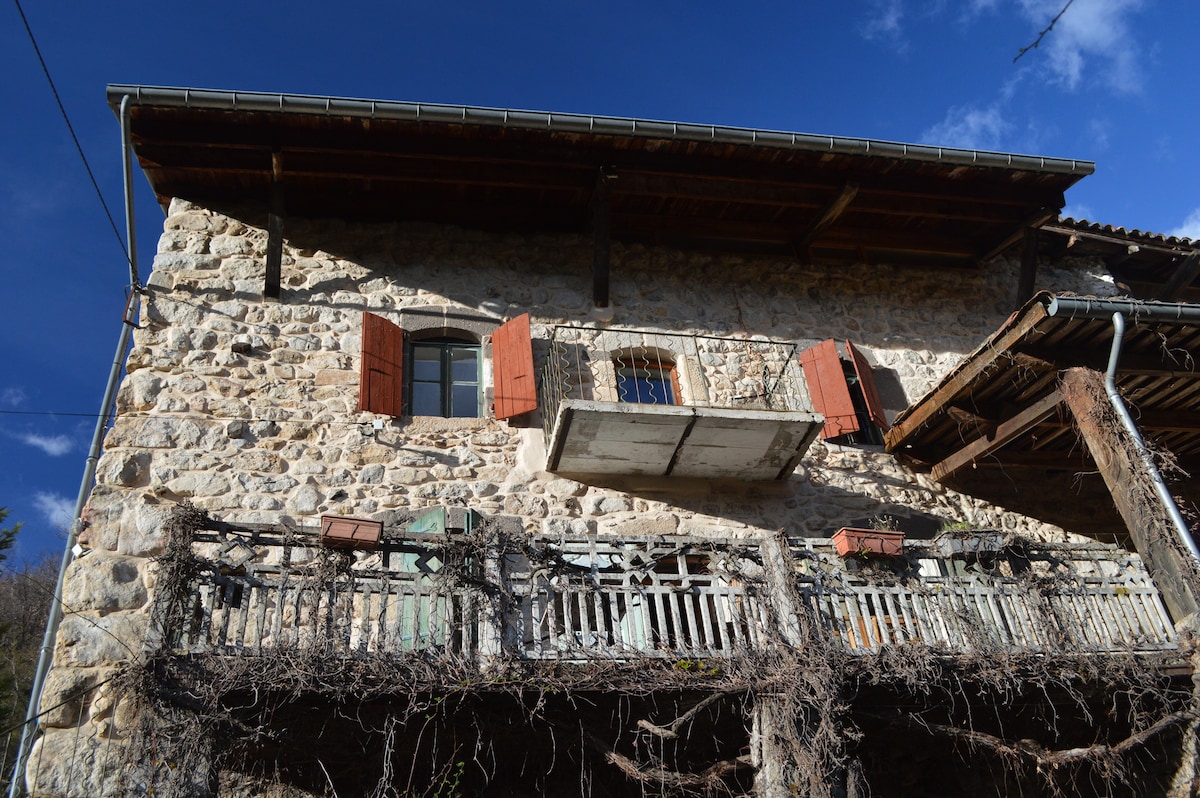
[438,372]
[844,391]
[444,378]
[646,378]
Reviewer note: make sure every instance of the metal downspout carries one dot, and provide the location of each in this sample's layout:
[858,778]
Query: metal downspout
[1114,398]
[16,785]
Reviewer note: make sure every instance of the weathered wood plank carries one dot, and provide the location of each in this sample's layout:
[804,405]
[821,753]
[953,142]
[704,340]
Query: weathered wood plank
[1005,433]
[1128,478]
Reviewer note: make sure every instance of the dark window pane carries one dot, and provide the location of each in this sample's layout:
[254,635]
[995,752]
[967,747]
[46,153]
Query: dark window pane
[426,399]
[651,390]
[465,401]
[445,378]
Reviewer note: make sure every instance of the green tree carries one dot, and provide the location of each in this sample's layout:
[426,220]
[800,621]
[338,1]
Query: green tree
[7,536]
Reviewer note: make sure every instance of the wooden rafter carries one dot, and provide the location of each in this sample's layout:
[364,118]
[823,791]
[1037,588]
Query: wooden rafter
[1036,220]
[836,207]
[961,379]
[1183,276]
[1006,432]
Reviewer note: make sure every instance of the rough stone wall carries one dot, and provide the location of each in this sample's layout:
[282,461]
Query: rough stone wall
[248,409]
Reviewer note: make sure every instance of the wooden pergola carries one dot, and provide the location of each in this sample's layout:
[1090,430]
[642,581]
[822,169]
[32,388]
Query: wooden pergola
[1022,418]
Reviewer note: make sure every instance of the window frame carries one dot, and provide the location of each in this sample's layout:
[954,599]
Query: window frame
[446,345]
[505,365]
[666,373]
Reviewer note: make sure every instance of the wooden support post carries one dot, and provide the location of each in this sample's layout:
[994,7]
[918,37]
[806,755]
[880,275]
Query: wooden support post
[1029,264]
[601,213]
[1129,483]
[275,230]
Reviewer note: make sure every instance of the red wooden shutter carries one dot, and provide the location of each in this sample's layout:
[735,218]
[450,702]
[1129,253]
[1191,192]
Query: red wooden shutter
[512,369]
[381,380]
[828,389]
[866,381]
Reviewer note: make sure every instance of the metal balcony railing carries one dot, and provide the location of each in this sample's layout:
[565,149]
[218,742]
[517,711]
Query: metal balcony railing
[645,367]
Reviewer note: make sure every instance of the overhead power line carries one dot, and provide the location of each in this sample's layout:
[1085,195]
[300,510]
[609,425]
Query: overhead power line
[74,138]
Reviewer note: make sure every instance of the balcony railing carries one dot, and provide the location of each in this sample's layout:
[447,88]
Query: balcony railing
[634,401]
[1043,600]
[582,599]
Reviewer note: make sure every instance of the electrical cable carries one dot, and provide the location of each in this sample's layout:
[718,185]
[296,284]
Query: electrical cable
[70,127]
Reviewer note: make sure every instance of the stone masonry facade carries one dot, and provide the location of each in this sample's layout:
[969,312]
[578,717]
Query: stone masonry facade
[248,409]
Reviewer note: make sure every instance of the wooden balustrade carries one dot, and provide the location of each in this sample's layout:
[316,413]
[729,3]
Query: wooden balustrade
[668,598]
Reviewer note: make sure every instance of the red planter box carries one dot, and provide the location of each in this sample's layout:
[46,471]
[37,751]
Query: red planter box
[854,542]
[350,533]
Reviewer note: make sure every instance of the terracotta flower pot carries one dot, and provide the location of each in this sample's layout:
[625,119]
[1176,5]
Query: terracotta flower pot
[855,542]
[350,533]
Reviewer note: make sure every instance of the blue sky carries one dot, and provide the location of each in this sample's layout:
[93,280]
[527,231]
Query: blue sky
[1115,82]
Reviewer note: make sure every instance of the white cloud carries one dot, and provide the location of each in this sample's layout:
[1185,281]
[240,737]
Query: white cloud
[884,23]
[53,445]
[11,397]
[58,510]
[1190,227]
[1078,212]
[1091,35]
[970,128]
[1098,133]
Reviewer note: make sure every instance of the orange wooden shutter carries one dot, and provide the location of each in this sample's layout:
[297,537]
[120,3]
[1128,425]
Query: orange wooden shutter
[381,380]
[512,369]
[866,381]
[828,389]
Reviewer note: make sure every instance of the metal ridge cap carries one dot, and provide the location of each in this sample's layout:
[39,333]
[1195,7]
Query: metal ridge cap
[219,100]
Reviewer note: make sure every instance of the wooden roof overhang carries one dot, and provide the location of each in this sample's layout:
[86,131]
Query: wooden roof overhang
[1153,266]
[818,198]
[998,418]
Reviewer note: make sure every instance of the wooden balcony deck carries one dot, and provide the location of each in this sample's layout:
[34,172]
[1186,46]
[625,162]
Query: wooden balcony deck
[623,598]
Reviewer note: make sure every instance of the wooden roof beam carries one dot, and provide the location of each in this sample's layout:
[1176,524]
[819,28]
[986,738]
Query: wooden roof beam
[1115,240]
[1126,475]
[1036,219]
[1006,432]
[1181,278]
[982,361]
[829,215]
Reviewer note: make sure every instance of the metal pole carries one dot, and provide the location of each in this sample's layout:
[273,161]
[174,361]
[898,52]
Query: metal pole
[1118,405]
[46,655]
[15,788]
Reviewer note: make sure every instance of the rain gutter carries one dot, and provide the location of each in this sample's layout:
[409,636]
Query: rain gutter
[213,100]
[1118,310]
[16,786]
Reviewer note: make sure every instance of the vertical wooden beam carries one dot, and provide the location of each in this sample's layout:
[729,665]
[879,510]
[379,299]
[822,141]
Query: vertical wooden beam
[1129,482]
[1029,264]
[274,230]
[601,201]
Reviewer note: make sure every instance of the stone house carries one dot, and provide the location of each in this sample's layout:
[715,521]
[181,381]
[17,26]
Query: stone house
[478,452]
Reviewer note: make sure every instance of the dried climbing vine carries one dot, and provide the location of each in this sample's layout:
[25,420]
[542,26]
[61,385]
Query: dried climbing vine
[661,726]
